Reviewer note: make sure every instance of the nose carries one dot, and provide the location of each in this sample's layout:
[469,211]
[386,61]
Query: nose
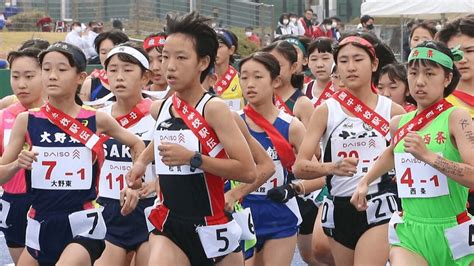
[351,65]
[385,92]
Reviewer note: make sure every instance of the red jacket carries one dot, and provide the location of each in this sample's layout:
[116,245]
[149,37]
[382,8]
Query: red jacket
[319,32]
[308,29]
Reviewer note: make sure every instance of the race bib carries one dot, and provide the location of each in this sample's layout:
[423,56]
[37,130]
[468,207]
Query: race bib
[219,240]
[392,225]
[32,234]
[461,239]
[244,219]
[327,216]
[62,168]
[234,104]
[381,208]
[4,210]
[367,150]
[417,179]
[278,179]
[88,223]
[184,138]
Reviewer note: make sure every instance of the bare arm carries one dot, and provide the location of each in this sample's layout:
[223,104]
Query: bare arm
[85,92]
[303,109]
[7,101]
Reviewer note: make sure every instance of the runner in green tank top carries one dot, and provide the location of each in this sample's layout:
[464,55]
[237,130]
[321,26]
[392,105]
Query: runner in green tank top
[433,161]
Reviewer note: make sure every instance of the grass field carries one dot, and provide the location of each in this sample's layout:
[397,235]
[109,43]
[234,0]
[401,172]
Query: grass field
[12,40]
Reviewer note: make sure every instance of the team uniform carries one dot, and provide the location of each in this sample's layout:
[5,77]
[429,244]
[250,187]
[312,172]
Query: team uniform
[272,220]
[191,213]
[15,201]
[435,223]
[127,232]
[62,183]
[99,94]
[347,136]
[228,88]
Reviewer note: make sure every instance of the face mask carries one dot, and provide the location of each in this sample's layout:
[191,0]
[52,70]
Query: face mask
[213,25]
[77,29]
[370,26]
[293,20]
[334,24]
[438,27]
[285,21]
[248,33]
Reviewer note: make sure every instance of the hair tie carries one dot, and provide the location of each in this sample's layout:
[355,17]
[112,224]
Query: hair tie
[458,55]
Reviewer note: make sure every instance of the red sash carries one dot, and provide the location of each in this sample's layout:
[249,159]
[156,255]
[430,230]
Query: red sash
[325,94]
[421,119]
[363,112]
[282,146]
[223,84]
[74,128]
[101,74]
[464,97]
[201,129]
[137,113]
[281,105]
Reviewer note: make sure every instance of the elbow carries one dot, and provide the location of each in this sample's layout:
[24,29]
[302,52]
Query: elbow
[249,175]
[298,169]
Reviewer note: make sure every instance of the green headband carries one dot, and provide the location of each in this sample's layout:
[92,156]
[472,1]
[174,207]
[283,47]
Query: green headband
[436,56]
[298,43]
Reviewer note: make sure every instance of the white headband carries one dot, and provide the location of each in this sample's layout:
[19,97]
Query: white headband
[130,51]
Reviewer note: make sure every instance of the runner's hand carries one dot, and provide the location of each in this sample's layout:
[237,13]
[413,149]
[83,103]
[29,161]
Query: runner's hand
[282,193]
[147,189]
[359,199]
[128,200]
[415,145]
[174,154]
[345,167]
[230,201]
[134,176]
[26,159]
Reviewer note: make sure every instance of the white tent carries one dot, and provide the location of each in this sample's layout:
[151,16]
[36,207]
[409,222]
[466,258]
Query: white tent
[422,9]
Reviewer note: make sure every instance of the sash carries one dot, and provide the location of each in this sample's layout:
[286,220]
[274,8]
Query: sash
[223,84]
[325,94]
[464,97]
[101,74]
[200,128]
[74,128]
[363,112]
[135,115]
[282,146]
[421,119]
[281,105]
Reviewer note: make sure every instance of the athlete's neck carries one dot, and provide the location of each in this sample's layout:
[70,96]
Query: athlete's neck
[158,87]
[365,95]
[38,103]
[285,91]
[267,109]
[466,86]
[65,104]
[125,105]
[192,94]
[420,107]
[320,85]
[221,69]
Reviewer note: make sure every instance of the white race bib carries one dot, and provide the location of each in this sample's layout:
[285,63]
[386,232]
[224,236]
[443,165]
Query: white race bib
[219,240]
[327,215]
[62,168]
[234,104]
[417,179]
[88,223]
[4,210]
[461,239]
[184,138]
[278,179]
[245,221]
[367,150]
[392,233]
[381,208]
[32,234]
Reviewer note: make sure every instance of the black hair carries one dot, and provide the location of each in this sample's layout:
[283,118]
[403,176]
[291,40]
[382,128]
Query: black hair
[36,43]
[31,52]
[282,16]
[424,25]
[292,15]
[326,21]
[365,18]
[397,71]
[288,51]
[158,48]
[128,58]
[202,35]
[116,36]
[309,9]
[267,60]
[234,39]
[117,24]
[336,18]
[75,23]
[382,51]
[464,25]
[322,45]
[441,47]
[249,28]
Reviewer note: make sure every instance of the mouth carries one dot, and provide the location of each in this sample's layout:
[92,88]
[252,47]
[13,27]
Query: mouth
[352,77]
[250,94]
[464,69]
[22,94]
[171,79]
[420,93]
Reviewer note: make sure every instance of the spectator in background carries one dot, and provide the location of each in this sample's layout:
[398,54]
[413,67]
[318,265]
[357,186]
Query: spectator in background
[297,28]
[251,36]
[3,21]
[324,29]
[94,28]
[306,22]
[406,39]
[283,27]
[366,23]
[117,24]
[424,31]
[336,27]
[74,37]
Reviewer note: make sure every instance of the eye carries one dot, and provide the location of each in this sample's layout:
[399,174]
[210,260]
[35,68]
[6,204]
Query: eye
[165,57]
[181,57]
[243,77]
[258,77]
[412,73]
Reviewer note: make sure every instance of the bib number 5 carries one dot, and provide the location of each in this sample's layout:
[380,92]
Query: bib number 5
[219,240]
